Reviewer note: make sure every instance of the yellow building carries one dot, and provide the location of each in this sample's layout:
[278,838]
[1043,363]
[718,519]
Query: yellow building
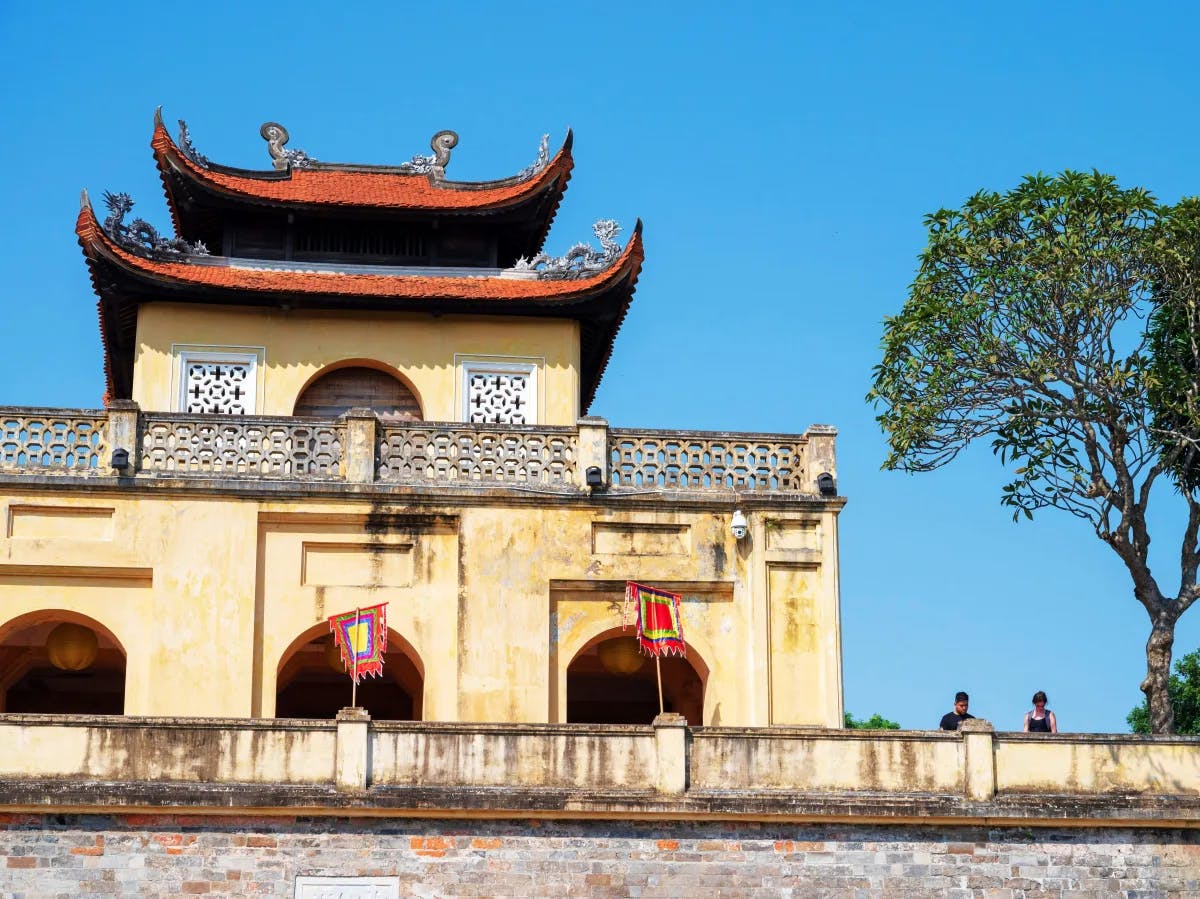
[348,385]
[343,386]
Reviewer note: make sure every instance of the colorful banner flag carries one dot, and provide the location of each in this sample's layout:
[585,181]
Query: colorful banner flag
[361,639]
[659,628]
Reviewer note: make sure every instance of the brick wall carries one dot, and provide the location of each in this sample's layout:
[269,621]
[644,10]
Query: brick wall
[171,855]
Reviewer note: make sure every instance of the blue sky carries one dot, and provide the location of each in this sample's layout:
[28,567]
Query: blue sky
[782,157]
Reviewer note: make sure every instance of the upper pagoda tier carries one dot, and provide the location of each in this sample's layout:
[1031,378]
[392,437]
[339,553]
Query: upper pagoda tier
[305,210]
[132,266]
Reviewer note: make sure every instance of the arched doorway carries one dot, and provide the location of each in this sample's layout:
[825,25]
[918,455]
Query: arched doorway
[312,684]
[610,682]
[356,386]
[61,663]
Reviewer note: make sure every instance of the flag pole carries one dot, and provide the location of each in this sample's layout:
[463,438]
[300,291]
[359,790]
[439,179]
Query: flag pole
[354,655]
[658,671]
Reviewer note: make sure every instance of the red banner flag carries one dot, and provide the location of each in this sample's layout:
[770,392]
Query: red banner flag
[659,627]
[361,639]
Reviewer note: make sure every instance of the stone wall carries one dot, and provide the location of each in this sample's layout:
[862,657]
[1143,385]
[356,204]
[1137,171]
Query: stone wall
[171,855]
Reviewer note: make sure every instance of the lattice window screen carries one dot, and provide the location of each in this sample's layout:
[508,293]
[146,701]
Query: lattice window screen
[500,394]
[219,386]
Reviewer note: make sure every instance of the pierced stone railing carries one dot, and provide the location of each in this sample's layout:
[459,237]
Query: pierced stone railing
[227,445]
[678,460]
[59,440]
[430,453]
[359,448]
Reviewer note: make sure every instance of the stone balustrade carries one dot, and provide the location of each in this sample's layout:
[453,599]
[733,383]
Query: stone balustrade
[67,441]
[665,767]
[359,448]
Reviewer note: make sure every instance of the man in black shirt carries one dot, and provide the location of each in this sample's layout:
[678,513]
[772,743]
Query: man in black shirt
[951,720]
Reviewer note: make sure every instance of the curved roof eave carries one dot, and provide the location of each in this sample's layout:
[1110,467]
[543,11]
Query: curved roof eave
[487,295]
[360,187]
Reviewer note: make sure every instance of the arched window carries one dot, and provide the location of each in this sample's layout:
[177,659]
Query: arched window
[333,393]
[61,663]
[610,682]
[312,683]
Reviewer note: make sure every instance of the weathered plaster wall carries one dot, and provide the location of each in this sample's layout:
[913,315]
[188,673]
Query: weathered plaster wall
[495,592]
[169,576]
[171,856]
[299,344]
[664,762]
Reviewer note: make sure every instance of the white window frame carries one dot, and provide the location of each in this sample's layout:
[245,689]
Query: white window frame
[189,354]
[529,366]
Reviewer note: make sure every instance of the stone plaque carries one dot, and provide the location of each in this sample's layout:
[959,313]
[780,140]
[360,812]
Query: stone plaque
[347,888]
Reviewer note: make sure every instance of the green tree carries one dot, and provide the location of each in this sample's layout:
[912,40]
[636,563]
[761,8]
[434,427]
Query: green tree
[875,722]
[1029,323]
[1184,687]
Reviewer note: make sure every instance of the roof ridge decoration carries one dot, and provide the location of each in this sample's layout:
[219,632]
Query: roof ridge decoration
[543,159]
[581,261]
[276,136]
[434,166]
[188,148]
[139,235]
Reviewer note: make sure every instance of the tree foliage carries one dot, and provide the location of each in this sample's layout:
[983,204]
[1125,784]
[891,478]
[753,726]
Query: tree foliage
[875,722]
[1184,687]
[1058,321]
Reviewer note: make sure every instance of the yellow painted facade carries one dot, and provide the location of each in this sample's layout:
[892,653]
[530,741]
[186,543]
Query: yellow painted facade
[424,351]
[207,595]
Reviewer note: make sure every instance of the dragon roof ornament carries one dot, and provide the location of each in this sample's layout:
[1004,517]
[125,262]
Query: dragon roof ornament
[580,261]
[543,159]
[140,236]
[188,148]
[276,136]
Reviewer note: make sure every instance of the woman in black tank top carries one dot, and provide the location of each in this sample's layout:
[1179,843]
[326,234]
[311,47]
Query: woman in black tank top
[1040,720]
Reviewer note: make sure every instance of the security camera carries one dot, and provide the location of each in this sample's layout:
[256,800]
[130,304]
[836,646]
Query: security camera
[738,526]
[826,485]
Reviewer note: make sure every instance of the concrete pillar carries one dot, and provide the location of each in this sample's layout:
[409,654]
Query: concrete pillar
[671,745]
[979,760]
[353,763]
[593,450]
[822,454]
[123,434]
[358,455]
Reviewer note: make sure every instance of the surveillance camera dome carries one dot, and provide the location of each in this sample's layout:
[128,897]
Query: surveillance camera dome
[738,525]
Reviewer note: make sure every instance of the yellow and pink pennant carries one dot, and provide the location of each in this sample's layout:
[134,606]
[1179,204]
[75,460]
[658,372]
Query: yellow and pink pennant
[361,639]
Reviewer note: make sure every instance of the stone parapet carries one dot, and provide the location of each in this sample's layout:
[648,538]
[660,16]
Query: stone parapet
[356,766]
[358,451]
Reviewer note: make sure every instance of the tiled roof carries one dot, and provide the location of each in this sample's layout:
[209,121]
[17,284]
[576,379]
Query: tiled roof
[602,298]
[363,189]
[325,283]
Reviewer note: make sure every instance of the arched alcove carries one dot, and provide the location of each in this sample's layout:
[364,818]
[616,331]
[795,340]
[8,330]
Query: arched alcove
[312,684]
[58,662]
[604,688]
[355,385]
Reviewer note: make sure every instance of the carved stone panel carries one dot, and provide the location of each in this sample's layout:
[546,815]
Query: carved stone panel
[347,888]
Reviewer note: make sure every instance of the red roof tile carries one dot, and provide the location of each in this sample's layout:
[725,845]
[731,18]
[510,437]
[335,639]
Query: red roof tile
[383,190]
[584,297]
[490,288]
